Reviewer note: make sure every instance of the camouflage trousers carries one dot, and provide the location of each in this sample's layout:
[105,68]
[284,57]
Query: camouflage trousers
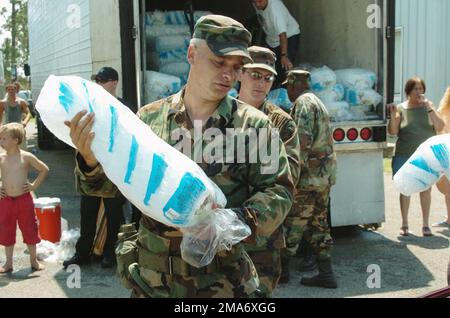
[225,283]
[268,266]
[308,219]
[158,271]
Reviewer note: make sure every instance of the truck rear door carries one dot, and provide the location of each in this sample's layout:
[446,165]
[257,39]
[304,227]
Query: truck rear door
[130,33]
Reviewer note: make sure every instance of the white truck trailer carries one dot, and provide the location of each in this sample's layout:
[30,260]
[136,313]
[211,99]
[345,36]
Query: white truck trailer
[77,37]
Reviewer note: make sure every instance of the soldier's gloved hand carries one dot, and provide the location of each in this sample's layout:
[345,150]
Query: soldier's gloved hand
[82,136]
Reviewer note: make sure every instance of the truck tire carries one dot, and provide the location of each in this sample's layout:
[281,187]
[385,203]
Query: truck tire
[46,140]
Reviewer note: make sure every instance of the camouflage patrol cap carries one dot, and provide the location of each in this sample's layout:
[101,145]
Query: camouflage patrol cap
[224,36]
[262,58]
[297,76]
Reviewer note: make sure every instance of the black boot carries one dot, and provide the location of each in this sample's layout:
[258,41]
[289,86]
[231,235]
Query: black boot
[308,263]
[324,279]
[284,278]
[77,259]
[108,261]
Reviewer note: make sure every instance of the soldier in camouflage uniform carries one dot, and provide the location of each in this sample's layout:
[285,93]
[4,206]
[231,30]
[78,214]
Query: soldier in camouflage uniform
[256,81]
[309,217]
[216,55]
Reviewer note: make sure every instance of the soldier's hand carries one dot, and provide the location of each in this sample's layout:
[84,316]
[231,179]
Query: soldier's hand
[82,136]
[286,63]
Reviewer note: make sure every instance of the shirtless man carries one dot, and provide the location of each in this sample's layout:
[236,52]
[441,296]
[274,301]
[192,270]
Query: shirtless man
[14,108]
[16,202]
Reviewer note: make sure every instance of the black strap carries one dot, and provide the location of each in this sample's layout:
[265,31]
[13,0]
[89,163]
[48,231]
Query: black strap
[189,15]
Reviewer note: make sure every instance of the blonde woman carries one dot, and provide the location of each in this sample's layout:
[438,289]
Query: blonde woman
[444,185]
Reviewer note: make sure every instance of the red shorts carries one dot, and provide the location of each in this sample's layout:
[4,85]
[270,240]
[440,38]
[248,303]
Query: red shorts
[20,211]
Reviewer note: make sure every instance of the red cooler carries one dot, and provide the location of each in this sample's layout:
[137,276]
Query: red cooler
[48,212]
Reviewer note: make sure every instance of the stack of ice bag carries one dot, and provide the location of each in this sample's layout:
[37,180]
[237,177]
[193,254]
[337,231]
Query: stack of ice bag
[359,87]
[167,36]
[324,85]
[280,98]
[346,93]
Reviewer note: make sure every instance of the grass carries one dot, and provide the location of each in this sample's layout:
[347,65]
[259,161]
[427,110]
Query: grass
[387,163]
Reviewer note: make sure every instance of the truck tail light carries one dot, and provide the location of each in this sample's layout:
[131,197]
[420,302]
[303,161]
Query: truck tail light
[352,134]
[339,135]
[366,134]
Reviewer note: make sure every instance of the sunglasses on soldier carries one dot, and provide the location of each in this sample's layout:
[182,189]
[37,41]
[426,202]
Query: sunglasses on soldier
[258,76]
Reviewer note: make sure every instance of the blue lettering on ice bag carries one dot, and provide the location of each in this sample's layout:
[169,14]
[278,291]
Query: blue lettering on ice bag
[159,167]
[422,164]
[181,204]
[91,109]
[132,160]
[423,183]
[352,97]
[65,96]
[112,132]
[442,154]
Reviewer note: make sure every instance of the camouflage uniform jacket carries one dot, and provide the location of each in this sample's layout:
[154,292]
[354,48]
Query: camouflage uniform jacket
[318,159]
[261,200]
[288,134]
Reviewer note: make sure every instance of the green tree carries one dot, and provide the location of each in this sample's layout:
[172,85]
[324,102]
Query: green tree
[15,48]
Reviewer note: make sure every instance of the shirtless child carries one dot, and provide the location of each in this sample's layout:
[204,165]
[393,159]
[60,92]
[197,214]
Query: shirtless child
[16,202]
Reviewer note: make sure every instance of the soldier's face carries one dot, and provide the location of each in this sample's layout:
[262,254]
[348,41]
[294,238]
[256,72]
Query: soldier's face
[109,86]
[294,91]
[256,83]
[214,75]
[260,4]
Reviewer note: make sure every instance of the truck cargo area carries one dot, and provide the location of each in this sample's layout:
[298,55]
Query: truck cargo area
[333,34]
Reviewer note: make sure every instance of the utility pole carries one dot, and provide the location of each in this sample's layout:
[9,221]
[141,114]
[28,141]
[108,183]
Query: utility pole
[13,39]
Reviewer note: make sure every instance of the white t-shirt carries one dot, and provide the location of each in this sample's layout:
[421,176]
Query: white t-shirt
[275,20]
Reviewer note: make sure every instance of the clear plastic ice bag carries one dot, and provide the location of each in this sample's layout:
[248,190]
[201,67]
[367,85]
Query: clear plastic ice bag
[213,232]
[322,78]
[359,79]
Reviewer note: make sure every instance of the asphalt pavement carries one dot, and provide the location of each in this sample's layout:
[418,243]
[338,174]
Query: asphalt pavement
[367,263]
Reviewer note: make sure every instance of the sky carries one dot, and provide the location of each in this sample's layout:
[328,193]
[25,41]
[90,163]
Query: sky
[3,3]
